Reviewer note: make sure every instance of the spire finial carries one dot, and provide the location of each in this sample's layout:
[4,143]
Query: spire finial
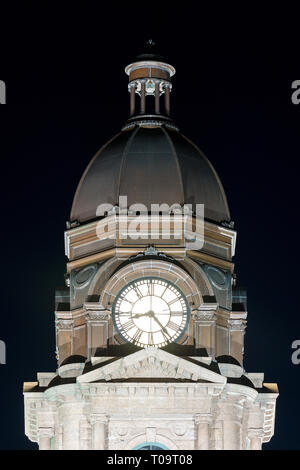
[150,43]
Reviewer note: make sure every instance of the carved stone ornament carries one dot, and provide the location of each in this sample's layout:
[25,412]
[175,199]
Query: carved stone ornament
[64,324]
[180,429]
[255,432]
[151,250]
[96,316]
[206,316]
[237,325]
[46,432]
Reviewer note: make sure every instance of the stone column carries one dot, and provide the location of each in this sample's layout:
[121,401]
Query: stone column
[70,415]
[157,98]
[97,330]
[205,330]
[236,329]
[132,99]
[99,433]
[143,97]
[202,423]
[232,435]
[167,98]
[255,436]
[45,435]
[64,338]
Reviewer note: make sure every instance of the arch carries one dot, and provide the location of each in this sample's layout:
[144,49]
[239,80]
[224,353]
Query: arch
[154,268]
[150,446]
[159,439]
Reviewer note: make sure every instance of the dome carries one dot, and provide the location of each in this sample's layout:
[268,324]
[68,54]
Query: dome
[150,165]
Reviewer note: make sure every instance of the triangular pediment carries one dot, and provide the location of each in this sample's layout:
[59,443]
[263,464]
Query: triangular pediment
[153,363]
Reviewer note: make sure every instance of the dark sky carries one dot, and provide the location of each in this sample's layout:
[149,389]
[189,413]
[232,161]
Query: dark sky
[67,95]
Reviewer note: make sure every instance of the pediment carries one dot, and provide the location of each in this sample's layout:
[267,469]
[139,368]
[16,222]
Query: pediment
[153,363]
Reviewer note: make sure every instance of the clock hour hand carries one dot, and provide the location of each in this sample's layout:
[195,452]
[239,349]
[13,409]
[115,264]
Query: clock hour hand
[138,315]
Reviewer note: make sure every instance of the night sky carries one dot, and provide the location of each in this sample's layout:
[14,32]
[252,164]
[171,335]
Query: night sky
[67,95]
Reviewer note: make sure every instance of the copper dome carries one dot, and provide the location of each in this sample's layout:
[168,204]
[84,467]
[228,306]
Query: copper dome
[150,165]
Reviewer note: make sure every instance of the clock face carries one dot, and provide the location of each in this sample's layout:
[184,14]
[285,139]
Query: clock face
[150,312]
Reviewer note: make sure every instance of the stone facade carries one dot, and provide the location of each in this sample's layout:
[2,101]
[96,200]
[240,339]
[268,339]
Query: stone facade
[150,396]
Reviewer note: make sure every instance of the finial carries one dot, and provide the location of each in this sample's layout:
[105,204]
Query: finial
[150,43]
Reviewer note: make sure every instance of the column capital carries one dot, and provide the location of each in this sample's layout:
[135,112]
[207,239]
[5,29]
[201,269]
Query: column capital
[203,418]
[94,316]
[237,325]
[255,432]
[98,418]
[206,316]
[66,324]
[45,432]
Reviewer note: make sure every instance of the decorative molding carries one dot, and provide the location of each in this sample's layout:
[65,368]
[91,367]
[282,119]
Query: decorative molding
[151,251]
[96,316]
[204,315]
[236,325]
[203,418]
[64,325]
[45,432]
[255,432]
[152,362]
[98,418]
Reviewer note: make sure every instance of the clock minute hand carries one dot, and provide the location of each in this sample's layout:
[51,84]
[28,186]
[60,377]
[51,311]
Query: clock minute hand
[162,327]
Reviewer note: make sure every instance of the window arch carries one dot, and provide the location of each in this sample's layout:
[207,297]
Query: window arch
[150,446]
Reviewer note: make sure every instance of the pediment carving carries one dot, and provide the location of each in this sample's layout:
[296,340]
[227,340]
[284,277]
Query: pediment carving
[153,363]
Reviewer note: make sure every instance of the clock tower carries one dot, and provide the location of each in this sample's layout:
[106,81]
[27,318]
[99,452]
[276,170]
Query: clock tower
[150,324]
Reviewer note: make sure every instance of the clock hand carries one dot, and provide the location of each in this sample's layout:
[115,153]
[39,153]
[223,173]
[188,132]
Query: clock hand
[138,315]
[162,327]
[175,312]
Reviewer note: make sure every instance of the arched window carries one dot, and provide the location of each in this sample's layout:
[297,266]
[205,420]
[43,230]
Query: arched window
[150,446]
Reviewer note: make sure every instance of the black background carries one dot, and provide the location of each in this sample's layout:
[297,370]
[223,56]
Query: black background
[67,95]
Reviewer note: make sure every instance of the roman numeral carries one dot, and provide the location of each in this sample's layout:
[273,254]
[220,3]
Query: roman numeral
[150,288]
[137,335]
[173,326]
[150,338]
[128,325]
[138,292]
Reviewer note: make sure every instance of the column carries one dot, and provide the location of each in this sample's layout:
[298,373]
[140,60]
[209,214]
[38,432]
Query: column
[232,435]
[70,414]
[132,99]
[205,330]
[99,432]
[64,338]
[255,436]
[143,97]
[236,330]
[157,98]
[97,329]
[202,423]
[167,98]
[44,436]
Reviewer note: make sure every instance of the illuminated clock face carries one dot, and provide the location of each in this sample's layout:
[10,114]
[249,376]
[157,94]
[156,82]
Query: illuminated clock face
[150,312]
